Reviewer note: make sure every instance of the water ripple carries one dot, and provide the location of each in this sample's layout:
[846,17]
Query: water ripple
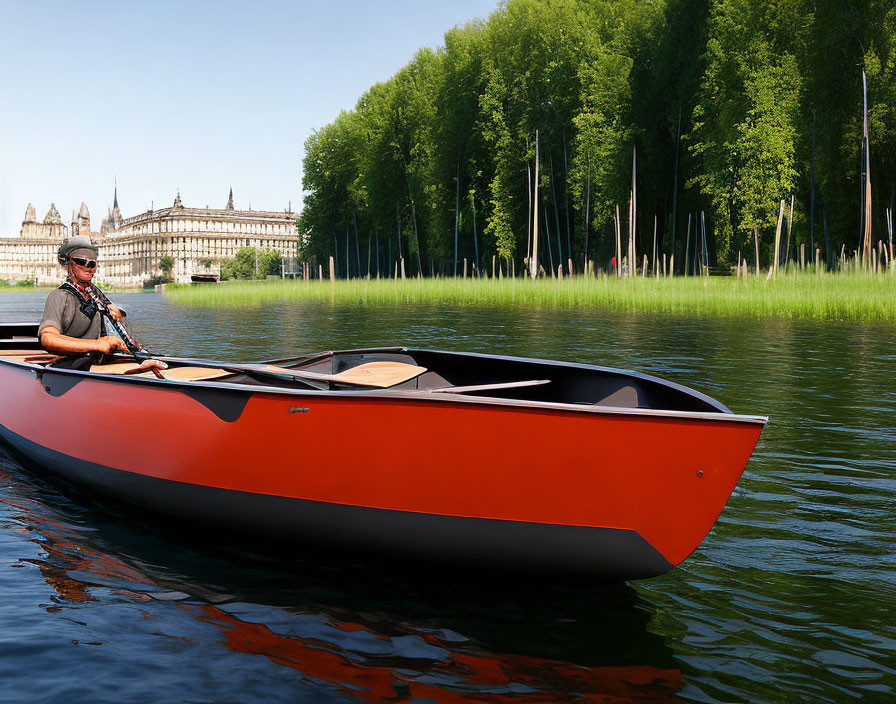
[790,598]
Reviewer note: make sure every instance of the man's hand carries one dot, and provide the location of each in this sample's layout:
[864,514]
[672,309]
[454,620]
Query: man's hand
[116,312]
[109,344]
[153,364]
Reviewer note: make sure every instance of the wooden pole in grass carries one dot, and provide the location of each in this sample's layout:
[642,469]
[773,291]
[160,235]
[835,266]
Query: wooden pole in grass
[687,246]
[618,243]
[630,258]
[704,251]
[778,239]
[332,270]
[890,232]
[867,219]
[634,214]
[529,195]
[789,226]
[587,204]
[533,256]
[756,242]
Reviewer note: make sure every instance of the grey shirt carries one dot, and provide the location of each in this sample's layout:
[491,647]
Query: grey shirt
[63,312]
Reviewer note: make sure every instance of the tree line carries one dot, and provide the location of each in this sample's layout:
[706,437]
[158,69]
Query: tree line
[711,111]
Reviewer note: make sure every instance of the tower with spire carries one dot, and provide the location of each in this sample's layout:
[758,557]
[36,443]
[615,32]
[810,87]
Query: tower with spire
[113,219]
[230,200]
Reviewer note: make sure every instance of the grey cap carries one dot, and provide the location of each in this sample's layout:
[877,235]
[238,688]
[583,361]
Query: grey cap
[76,242]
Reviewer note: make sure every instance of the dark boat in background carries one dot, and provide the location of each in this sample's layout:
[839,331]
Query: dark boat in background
[476,459]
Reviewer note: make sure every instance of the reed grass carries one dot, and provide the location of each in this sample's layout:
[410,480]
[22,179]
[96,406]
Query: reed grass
[852,296]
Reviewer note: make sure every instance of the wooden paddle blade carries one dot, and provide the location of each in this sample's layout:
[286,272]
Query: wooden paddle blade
[188,373]
[379,374]
[376,374]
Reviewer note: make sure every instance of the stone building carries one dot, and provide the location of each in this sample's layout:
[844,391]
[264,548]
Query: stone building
[32,255]
[131,249]
[196,239]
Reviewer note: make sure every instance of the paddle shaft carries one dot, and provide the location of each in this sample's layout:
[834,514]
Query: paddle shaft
[134,347]
[140,353]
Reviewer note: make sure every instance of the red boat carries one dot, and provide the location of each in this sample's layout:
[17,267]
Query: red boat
[477,459]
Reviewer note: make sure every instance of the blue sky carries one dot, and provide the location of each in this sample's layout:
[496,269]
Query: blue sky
[199,96]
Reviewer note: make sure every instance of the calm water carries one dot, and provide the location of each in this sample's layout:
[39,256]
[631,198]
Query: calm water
[789,599]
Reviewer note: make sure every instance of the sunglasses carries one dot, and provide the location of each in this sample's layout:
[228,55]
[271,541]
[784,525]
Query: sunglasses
[86,263]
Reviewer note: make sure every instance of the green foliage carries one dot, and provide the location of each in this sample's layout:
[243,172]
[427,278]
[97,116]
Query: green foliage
[723,100]
[251,263]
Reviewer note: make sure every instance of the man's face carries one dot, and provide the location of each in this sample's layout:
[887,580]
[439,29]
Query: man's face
[82,267]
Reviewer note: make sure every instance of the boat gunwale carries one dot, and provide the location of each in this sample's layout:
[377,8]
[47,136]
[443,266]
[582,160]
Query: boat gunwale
[418,395]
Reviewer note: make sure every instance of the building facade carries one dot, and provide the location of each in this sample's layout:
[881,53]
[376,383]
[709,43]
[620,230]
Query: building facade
[131,250]
[32,255]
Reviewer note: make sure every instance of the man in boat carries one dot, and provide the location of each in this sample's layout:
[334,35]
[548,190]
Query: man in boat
[71,324]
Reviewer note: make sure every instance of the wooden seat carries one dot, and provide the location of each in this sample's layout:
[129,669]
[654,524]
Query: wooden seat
[117,368]
[180,373]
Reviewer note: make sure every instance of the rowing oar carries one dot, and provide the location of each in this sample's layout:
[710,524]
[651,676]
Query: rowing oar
[140,353]
[379,374]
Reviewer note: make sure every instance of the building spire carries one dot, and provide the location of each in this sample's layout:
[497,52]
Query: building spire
[115,201]
[177,203]
[230,200]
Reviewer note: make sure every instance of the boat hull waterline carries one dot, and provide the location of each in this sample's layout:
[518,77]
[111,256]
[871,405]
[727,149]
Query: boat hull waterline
[622,493]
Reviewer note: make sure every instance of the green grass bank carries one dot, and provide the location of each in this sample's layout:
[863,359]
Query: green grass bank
[854,296]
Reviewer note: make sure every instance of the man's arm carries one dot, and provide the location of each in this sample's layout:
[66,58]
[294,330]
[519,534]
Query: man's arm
[54,341]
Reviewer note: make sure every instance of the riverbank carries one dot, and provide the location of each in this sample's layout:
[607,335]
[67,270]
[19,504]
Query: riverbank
[855,296]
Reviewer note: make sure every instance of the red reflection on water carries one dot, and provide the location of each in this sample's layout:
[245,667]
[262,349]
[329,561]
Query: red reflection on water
[460,677]
[65,555]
